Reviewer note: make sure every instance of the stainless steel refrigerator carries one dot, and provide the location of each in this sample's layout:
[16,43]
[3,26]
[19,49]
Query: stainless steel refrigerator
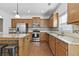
[22,28]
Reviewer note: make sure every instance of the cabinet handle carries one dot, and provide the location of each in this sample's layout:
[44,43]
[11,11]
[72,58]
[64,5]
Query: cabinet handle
[27,38]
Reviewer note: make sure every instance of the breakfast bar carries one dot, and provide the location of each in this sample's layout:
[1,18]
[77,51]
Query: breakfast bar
[22,40]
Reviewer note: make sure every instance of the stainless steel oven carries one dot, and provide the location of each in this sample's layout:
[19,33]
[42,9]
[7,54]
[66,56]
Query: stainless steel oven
[36,35]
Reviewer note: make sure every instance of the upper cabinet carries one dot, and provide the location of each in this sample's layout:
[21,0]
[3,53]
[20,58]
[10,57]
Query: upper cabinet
[54,20]
[73,13]
[15,21]
[51,22]
[42,22]
[36,20]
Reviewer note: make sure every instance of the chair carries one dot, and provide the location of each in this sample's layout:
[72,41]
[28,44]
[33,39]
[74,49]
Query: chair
[11,49]
[1,48]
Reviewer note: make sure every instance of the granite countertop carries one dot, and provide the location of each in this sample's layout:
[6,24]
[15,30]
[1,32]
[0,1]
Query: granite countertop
[13,35]
[66,39]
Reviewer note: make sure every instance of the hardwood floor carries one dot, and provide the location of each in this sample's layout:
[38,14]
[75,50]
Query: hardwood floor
[39,49]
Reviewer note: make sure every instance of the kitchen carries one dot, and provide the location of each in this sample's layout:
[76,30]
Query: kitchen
[39,29]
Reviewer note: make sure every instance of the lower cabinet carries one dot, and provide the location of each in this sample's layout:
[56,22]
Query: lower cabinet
[30,34]
[26,46]
[52,44]
[58,47]
[43,37]
[60,51]
[61,48]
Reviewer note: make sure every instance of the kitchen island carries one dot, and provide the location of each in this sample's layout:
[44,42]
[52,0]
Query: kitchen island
[22,41]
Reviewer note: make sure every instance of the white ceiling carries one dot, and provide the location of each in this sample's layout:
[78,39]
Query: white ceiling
[35,8]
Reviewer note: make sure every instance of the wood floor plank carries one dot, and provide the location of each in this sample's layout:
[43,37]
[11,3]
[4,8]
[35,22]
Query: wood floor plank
[39,49]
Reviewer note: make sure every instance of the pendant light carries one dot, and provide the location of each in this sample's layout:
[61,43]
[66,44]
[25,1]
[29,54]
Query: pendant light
[49,4]
[17,13]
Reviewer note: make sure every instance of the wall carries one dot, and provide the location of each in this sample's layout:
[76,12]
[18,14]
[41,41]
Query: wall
[76,28]
[6,21]
[1,25]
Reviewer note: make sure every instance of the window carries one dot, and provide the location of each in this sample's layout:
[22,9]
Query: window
[63,26]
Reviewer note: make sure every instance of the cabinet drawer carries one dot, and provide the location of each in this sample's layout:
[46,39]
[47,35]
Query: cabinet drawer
[62,43]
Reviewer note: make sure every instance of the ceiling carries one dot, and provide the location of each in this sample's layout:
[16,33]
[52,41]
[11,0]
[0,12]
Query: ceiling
[33,9]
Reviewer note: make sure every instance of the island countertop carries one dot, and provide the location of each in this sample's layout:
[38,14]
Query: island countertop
[13,35]
[22,41]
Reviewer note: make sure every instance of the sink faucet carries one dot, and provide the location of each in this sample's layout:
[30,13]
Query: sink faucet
[76,31]
[61,33]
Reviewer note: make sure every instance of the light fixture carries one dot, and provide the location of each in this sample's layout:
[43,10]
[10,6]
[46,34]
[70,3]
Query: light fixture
[17,13]
[28,11]
[1,17]
[42,11]
[49,4]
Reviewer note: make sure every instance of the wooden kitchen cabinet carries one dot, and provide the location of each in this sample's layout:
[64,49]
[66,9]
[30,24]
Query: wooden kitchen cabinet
[54,20]
[52,44]
[73,13]
[36,20]
[60,51]
[58,47]
[44,23]
[15,21]
[61,48]
[43,37]
[26,45]
[30,35]
[50,22]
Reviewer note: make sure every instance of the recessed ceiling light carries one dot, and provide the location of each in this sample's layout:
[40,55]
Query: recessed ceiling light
[42,11]
[1,16]
[28,11]
[14,11]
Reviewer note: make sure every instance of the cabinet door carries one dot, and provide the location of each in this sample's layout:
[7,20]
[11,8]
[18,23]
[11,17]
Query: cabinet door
[50,22]
[60,49]
[52,42]
[15,21]
[26,45]
[43,37]
[44,23]
[73,12]
[30,35]
[36,20]
[54,20]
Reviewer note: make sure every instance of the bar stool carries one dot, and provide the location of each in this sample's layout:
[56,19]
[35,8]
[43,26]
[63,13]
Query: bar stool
[11,49]
[1,48]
